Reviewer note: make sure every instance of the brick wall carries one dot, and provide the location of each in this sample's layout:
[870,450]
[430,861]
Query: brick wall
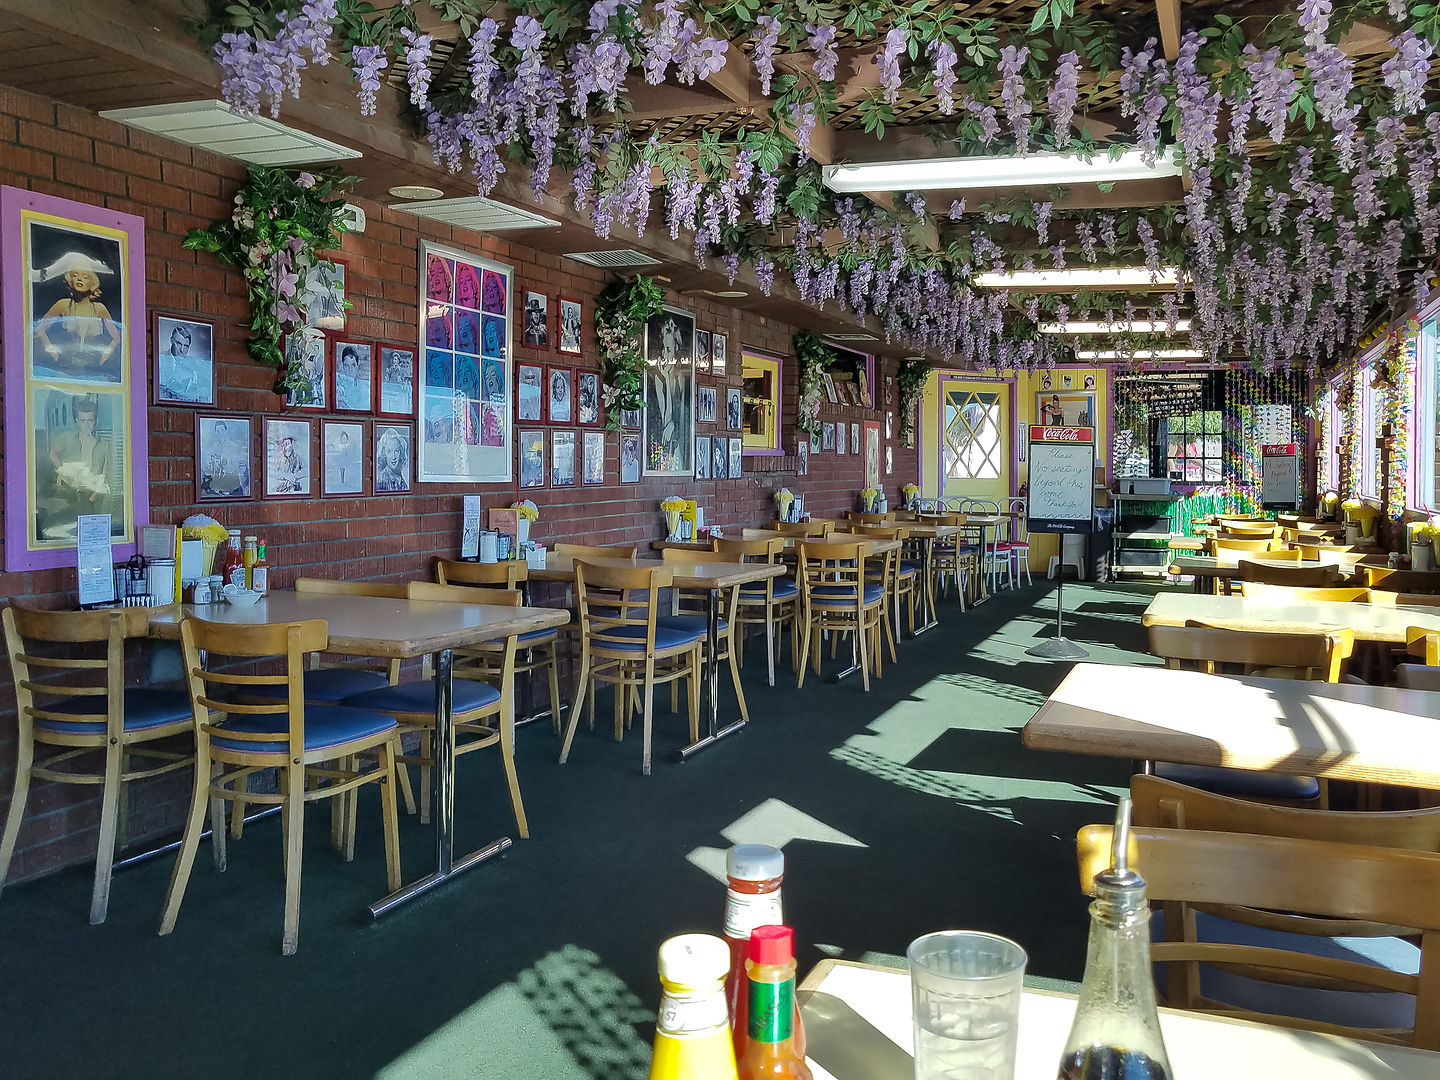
[61,150]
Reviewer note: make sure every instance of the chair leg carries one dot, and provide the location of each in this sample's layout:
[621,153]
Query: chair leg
[352,805]
[890,633]
[770,643]
[576,708]
[25,758]
[292,779]
[402,778]
[105,853]
[649,714]
[694,702]
[864,661]
[217,823]
[505,720]
[552,671]
[237,810]
[389,813]
[427,744]
[802,653]
[185,859]
[735,681]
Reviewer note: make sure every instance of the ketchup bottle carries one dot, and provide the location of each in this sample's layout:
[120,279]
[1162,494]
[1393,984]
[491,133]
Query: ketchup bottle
[754,873]
[234,566]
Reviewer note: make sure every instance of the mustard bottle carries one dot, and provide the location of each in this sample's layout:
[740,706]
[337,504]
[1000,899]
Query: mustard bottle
[692,1031]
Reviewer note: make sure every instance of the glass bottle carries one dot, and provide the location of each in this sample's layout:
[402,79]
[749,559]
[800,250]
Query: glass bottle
[754,874]
[260,570]
[251,552]
[773,1023]
[1116,1033]
[233,568]
[692,1030]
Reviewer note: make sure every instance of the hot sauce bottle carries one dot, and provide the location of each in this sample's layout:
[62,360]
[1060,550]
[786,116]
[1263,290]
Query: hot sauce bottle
[773,1022]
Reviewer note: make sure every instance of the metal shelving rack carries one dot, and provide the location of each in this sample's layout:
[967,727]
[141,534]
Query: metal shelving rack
[1127,544]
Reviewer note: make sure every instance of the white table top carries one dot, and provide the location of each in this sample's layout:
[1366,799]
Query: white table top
[701,575]
[1370,622]
[1340,730]
[1200,1047]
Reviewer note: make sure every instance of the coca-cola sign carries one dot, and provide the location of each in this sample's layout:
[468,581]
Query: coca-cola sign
[1062,434]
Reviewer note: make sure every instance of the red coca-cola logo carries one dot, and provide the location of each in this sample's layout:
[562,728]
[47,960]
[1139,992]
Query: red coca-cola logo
[1060,434]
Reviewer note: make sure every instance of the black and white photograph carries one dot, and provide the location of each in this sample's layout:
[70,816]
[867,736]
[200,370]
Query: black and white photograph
[705,405]
[562,459]
[594,457]
[308,351]
[702,352]
[529,392]
[1089,383]
[342,458]
[718,350]
[532,459]
[287,458]
[719,457]
[737,459]
[802,457]
[393,457]
[78,297]
[184,361]
[734,409]
[854,438]
[827,441]
[830,394]
[560,404]
[537,321]
[397,381]
[322,294]
[222,458]
[354,376]
[889,460]
[571,315]
[587,397]
[841,441]
[702,457]
[669,393]
[630,459]
[630,418]
[889,425]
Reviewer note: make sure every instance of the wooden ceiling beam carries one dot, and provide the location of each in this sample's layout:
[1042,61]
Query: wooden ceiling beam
[1168,12]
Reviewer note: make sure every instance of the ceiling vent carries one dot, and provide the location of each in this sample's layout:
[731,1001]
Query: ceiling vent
[213,126]
[477,213]
[851,337]
[613,260]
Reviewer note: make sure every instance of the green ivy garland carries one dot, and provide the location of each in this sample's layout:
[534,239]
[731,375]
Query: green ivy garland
[911,378]
[621,312]
[280,225]
[813,357]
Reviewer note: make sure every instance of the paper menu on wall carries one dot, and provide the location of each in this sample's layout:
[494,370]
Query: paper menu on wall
[95,565]
[470,529]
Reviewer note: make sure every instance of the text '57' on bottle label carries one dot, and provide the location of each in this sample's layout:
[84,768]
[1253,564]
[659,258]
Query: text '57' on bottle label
[745,911]
[682,1017]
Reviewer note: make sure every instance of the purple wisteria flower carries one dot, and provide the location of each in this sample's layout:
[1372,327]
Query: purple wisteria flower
[1333,77]
[482,64]
[821,40]
[1197,104]
[957,209]
[943,57]
[1142,85]
[417,66]
[986,116]
[765,45]
[367,62]
[1272,88]
[767,197]
[802,122]
[1064,92]
[765,275]
[1042,221]
[1013,94]
[1406,71]
[889,61]
[662,39]
[1314,19]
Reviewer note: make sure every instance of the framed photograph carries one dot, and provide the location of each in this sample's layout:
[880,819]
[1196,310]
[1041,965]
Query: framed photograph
[562,459]
[889,425]
[561,406]
[829,382]
[737,456]
[814,443]
[594,457]
[630,418]
[308,350]
[354,378]
[342,458]
[734,409]
[854,438]
[223,458]
[394,455]
[571,315]
[702,457]
[718,354]
[587,397]
[702,352]
[537,320]
[827,436]
[872,454]
[396,394]
[630,459]
[840,439]
[532,459]
[669,393]
[1089,383]
[1067,381]
[1072,409]
[719,457]
[287,458]
[705,405]
[183,372]
[529,392]
[889,391]
[1047,381]
[802,457]
[889,460]
[322,294]
[73,332]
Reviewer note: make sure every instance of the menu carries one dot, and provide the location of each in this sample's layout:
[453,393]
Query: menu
[95,565]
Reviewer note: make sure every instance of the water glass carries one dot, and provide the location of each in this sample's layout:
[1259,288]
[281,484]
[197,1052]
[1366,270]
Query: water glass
[966,988]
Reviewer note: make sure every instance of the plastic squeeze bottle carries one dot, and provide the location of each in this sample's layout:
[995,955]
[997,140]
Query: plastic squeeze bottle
[771,1049]
[692,1030]
[754,873]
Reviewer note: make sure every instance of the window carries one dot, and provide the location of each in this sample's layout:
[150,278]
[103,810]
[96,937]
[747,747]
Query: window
[972,435]
[853,374]
[1368,481]
[759,418]
[1425,421]
[1192,447]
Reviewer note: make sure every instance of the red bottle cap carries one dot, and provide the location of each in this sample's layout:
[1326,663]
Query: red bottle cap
[772,945]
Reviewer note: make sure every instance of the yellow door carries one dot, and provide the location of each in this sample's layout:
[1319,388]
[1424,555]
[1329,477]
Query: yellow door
[974,439]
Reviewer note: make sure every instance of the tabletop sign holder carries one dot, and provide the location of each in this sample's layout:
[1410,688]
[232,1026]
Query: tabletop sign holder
[1061,501]
[1279,477]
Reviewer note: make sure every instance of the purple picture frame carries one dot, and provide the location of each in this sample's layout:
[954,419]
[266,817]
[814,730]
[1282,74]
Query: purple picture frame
[14,203]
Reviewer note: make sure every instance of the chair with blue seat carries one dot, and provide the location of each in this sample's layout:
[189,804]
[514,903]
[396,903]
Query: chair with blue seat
[536,650]
[72,701]
[1285,877]
[837,599]
[955,558]
[314,749]
[900,575]
[622,644]
[1017,544]
[1196,646]
[772,603]
[690,610]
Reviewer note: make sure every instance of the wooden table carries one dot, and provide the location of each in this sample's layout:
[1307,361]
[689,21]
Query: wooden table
[1342,731]
[1370,622]
[395,630]
[858,1026]
[709,576]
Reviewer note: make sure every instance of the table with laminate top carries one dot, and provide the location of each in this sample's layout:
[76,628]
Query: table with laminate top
[1368,621]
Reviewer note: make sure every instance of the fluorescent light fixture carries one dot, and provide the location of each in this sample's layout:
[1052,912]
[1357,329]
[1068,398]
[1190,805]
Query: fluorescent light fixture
[1139,354]
[214,126]
[1115,277]
[1139,326]
[930,174]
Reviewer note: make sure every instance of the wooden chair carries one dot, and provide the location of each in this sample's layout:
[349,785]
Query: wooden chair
[1423,642]
[899,575]
[802,528]
[690,610]
[304,743]
[1018,544]
[1230,550]
[1288,574]
[588,551]
[837,598]
[537,649]
[1274,557]
[856,518]
[1400,581]
[772,603]
[77,705]
[1285,874]
[335,680]
[955,558]
[622,645]
[1287,594]
[483,714]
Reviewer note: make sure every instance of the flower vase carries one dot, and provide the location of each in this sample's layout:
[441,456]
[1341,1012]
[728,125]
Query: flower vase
[522,530]
[1352,533]
[1367,526]
[1422,556]
[672,521]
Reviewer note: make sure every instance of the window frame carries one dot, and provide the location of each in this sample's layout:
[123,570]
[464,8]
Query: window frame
[1197,434]
[995,408]
[772,448]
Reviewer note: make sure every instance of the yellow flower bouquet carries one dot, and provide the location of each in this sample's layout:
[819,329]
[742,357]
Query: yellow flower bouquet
[672,506]
[528,510]
[867,499]
[1360,513]
[204,528]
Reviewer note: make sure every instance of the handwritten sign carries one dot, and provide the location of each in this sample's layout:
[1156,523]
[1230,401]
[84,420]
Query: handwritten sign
[1062,479]
[1279,476]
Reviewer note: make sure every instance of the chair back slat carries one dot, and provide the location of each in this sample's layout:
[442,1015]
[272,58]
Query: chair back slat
[1267,572]
[1304,595]
[332,587]
[463,594]
[75,677]
[613,598]
[1400,581]
[590,551]
[1316,655]
[766,549]
[505,574]
[803,528]
[855,518]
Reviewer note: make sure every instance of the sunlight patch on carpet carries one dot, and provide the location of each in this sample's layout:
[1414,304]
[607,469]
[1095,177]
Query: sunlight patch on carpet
[773,822]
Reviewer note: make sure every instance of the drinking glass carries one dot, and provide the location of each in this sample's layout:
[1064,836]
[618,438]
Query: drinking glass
[965,987]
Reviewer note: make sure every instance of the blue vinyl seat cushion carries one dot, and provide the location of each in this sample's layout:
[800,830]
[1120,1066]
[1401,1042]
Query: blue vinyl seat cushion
[532,637]
[329,686]
[785,589]
[144,708]
[842,595]
[696,624]
[419,697]
[325,725]
[666,637]
[914,566]
[1241,783]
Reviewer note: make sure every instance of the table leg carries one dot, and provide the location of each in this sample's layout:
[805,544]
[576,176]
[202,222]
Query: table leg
[927,596]
[982,572]
[442,795]
[711,685]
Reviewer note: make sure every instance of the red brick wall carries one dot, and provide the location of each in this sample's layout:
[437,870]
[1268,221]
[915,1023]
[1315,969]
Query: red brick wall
[61,150]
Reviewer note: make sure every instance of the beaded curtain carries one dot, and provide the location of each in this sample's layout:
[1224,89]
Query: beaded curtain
[1397,407]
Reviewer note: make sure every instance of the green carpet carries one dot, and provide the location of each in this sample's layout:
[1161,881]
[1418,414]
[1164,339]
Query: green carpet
[908,809]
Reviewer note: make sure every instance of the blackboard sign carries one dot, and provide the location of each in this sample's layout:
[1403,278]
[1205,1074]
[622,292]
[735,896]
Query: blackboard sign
[1062,479]
[1279,477]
